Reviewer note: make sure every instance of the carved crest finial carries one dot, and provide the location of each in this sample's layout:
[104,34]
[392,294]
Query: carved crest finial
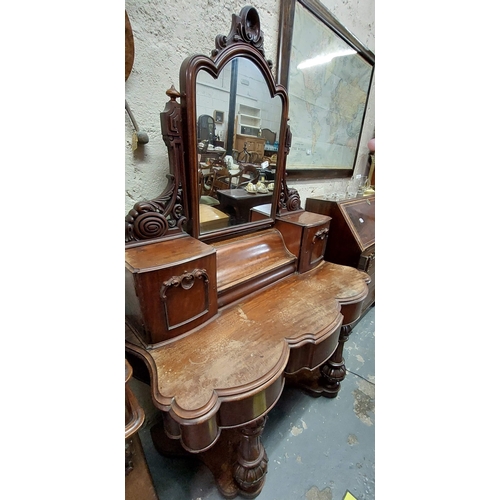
[245,28]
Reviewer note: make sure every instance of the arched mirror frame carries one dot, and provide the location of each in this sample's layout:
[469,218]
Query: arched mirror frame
[245,40]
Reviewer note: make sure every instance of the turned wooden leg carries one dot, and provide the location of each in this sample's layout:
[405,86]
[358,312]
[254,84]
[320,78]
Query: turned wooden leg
[251,465]
[238,460]
[334,371]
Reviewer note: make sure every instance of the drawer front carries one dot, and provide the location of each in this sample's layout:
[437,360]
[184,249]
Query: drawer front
[168,302]
[313,246]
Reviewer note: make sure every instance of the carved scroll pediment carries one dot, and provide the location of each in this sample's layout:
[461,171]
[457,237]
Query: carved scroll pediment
[244,28]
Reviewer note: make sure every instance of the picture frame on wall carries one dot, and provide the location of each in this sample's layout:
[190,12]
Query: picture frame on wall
[328,75]
[218,116]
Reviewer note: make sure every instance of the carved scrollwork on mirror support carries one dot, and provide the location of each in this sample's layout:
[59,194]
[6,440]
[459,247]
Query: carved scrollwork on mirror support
[165,215]
[245,40]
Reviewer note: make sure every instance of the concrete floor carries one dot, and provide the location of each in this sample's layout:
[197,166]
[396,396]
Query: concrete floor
[318,448]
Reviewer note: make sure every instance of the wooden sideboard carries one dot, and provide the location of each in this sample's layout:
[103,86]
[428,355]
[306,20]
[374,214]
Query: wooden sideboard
[254,144]
[351,240]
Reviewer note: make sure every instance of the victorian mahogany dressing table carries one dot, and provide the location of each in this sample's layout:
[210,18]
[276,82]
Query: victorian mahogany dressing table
[218,319]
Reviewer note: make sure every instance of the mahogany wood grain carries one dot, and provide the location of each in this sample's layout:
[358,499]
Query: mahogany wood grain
[310,230]
[220,458]
[230,370]
[138,482]
[305,234]
[170,287]
[249,262]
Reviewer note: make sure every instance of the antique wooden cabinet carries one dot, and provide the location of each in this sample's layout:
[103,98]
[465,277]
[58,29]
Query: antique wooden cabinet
[218,317]
[351,239]
[253,144]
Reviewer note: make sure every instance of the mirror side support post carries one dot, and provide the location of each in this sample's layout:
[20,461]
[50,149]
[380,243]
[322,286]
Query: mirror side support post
[232,107]
[164,216]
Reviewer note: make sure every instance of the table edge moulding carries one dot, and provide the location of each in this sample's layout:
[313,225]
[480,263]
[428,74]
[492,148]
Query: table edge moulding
[216,323]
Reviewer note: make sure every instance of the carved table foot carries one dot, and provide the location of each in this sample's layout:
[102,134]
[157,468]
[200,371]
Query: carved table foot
[334,371]
[238,460]
[325,380]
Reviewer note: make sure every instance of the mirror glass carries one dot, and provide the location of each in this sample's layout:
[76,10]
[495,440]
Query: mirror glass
[238,126]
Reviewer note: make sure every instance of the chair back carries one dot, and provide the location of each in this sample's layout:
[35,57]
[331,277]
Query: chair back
[269,135]
[248,173]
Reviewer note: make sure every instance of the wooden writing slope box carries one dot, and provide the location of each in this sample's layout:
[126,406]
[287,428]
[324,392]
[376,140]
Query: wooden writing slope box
[351,241]
[170,288]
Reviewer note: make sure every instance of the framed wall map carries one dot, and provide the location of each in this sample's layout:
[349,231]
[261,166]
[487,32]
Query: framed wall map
[328,75]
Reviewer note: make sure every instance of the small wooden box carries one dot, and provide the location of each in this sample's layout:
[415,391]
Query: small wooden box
[170,288]
[305,234]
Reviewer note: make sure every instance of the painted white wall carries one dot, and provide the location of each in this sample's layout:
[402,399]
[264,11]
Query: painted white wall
[165,33]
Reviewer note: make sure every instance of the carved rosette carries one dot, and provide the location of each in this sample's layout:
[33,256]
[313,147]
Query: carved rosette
[244,28]
[165,214]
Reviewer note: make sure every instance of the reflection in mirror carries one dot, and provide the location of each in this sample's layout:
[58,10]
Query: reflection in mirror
[237,156]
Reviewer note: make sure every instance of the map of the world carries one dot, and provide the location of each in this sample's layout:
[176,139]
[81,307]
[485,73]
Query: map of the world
[328,89]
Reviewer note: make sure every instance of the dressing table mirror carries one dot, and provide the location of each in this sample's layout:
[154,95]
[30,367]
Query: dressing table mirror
[236,170]
[236,80]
